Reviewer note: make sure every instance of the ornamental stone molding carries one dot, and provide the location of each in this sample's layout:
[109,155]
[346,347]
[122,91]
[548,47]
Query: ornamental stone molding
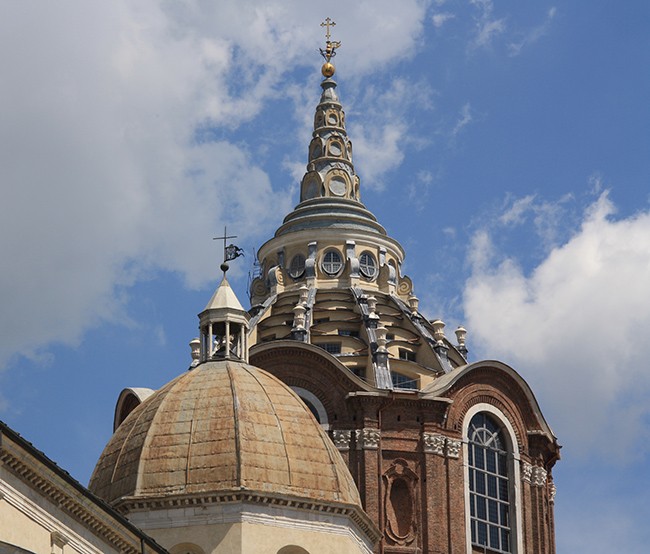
[552,491]
[538,478]
[526,472]
[434,443]
[453,448]
[367,439]
[341,439]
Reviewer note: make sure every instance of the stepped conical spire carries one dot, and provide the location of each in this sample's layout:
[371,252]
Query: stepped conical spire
[330,171]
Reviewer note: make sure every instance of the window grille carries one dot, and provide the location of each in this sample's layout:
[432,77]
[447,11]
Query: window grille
[407,355]
[489,485]
[332,262]
[331,347]
[297,267]
[403,381]
[368,265]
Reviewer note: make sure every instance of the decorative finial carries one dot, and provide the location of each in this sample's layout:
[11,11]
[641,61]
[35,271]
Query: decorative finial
[328,68]
[230,252]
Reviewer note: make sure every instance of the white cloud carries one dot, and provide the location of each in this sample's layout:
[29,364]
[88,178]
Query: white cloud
[464,119]
[575,327]
[439,19]
[487,27]
[548,218]
[382,137]
[532,35]
[103,181]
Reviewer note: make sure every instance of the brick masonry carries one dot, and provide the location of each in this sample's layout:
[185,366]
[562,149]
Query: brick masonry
[405,452]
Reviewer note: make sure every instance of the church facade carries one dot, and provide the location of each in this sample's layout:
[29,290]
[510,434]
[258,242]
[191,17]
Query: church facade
[332,416]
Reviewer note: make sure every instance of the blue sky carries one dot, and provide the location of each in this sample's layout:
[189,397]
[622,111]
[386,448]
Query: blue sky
[505,144]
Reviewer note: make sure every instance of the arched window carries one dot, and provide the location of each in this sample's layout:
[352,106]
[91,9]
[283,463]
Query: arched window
[490,485]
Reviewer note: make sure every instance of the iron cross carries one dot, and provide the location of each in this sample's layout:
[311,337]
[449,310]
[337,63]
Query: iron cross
[225,238]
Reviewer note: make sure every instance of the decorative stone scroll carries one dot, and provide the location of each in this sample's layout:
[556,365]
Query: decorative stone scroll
[552,491]
[367,439]
[441,445]
[434,443]
[534,475]
[341,439]
[453,448]
[539,477]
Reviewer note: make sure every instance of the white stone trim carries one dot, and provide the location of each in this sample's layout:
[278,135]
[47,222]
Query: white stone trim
[43,518]
[515,473]
[368,438]
[434,443]
[341,439]
[539,477]
[260,514]
[453,448]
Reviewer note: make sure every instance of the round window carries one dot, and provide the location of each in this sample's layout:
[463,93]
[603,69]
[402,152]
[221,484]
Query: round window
[336,149]
[368,265]
[332,262]
[297,267]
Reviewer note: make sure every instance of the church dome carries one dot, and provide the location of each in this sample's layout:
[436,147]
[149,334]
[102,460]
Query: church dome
[224,426]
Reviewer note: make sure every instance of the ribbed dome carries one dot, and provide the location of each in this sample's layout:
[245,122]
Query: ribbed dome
[224,426]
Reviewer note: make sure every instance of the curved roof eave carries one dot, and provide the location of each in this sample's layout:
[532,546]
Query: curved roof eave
[271,345]
[441,385]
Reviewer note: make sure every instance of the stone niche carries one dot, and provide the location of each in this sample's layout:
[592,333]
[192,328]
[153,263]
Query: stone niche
[400,505]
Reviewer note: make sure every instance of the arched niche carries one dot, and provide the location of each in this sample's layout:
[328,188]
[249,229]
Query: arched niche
[400,503]
[292,549]
[186,548]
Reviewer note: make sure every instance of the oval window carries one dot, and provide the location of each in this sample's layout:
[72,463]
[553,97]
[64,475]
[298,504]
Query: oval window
[368,265]
[297,267]
[335,149]
[338,186]
[332,262]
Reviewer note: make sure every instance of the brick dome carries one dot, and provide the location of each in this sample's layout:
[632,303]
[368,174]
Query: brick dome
[223,426]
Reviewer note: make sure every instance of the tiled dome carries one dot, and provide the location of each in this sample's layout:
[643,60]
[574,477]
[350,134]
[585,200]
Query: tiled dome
[223,426]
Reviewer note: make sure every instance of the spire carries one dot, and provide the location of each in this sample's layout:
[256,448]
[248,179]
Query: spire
[330,171]
[329,190]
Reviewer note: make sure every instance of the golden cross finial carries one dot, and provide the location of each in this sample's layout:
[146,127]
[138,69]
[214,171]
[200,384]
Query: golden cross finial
[330,48]
[328,23]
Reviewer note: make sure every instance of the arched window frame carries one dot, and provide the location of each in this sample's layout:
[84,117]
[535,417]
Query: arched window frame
[514,474]
[316,403]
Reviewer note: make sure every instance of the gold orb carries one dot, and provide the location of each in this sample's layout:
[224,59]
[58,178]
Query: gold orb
[328,69]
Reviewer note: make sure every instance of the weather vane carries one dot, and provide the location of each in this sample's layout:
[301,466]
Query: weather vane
[230,252]
[328,68]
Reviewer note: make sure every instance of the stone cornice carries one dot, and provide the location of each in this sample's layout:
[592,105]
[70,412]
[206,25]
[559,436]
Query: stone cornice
[36,470]
[354,513]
